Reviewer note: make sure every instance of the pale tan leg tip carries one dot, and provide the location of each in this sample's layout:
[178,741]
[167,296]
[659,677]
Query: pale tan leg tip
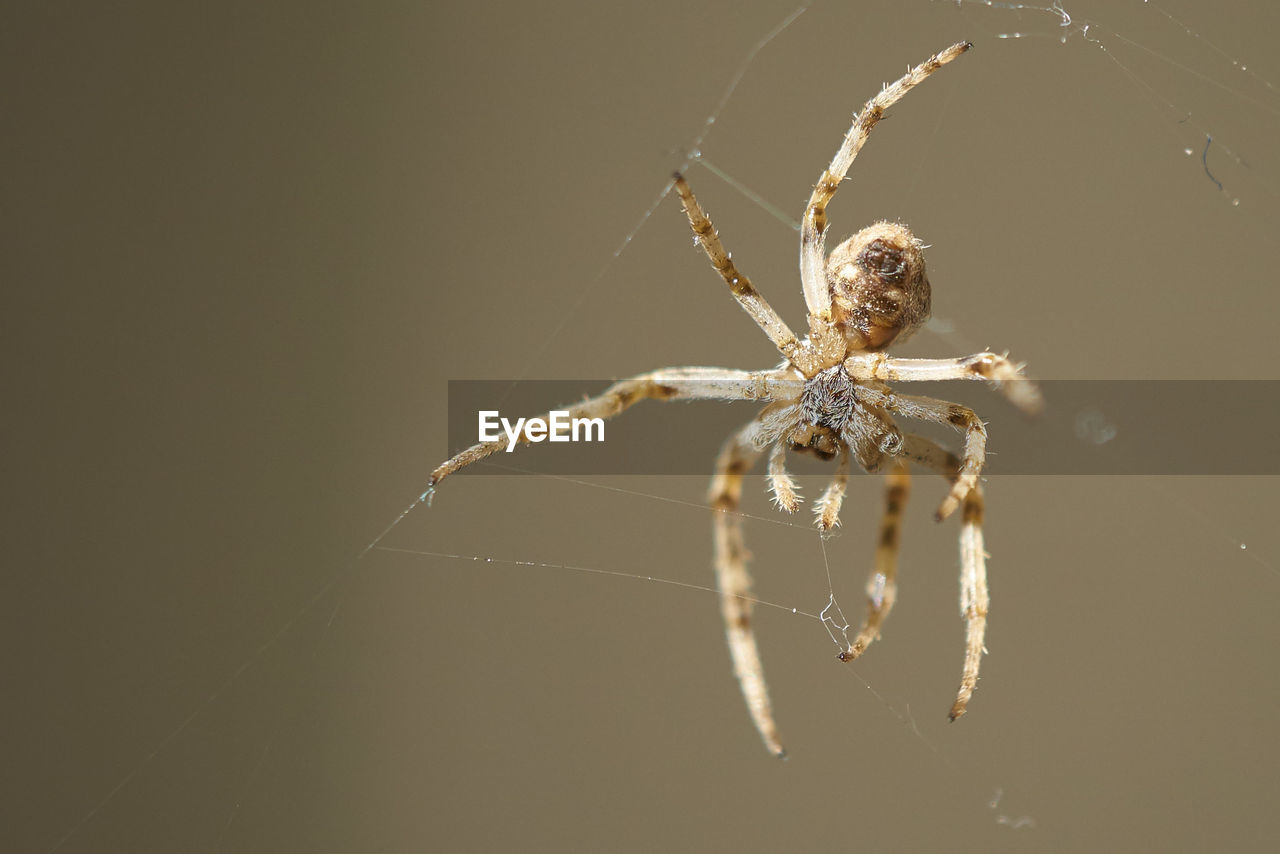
[774,745]
[948,507]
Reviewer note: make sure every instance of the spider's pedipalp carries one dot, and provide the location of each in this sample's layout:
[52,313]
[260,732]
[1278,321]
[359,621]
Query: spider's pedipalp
[827,508]
[781,485]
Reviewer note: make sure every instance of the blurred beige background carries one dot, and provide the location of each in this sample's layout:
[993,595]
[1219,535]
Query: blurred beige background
[249,247]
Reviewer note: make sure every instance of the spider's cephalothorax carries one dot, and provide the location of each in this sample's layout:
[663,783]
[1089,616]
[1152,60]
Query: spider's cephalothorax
[879,291]
[833,420]
[830,398]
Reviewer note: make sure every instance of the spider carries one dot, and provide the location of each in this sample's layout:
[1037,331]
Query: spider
[829,398]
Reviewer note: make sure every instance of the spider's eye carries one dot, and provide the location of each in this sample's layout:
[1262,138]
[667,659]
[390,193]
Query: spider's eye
[886,262]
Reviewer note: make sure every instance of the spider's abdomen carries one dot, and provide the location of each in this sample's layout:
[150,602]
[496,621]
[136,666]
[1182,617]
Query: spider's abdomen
[879,291]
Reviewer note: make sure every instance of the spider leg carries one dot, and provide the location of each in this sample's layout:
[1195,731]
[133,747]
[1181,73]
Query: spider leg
[814,228]
[827,508]
[1004,375]
[975,599]
[740,452]
[743,291]
[962,418]
[780,482]
[882,586]
[666,384]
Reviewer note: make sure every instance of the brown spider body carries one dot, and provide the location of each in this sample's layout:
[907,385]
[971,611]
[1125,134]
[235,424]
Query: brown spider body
[879,291]
[830,398]
[833,419]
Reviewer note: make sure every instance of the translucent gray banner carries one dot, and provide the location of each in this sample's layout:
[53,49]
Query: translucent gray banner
[1112,427]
